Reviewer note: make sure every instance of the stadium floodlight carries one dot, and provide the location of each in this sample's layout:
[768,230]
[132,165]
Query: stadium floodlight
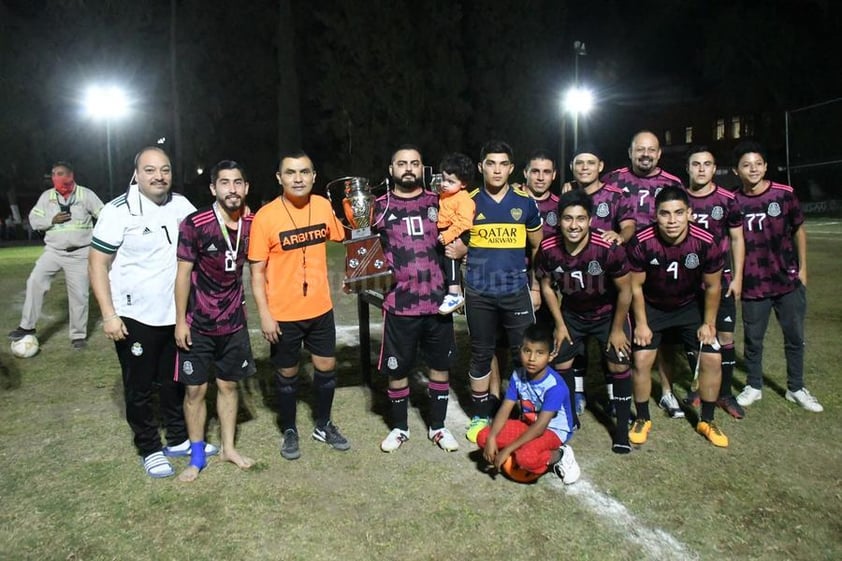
[578,101]
[107,103]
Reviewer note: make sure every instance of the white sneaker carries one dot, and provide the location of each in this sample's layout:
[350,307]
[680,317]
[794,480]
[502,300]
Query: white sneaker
[805,399]
[394,440]
[670,404]
[567,468]
[452,302]
[749,395]
[443,439]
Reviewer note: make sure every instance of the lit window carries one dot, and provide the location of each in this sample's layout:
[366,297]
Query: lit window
[736,127]
[719,132]
[668,137]
[688,135]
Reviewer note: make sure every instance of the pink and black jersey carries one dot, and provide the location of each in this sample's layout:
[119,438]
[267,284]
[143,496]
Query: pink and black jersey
[717,212]
[548,208]
[770,220]
[610,207]
[410,242]
[674,273]
[585,280]
[641,191]
[216,305]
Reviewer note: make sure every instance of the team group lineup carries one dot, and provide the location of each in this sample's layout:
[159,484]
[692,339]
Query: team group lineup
[631,257]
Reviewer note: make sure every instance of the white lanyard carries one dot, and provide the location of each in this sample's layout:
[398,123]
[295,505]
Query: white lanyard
[231,254]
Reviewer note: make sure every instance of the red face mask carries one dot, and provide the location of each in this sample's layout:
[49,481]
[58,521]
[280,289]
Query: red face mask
[64,184]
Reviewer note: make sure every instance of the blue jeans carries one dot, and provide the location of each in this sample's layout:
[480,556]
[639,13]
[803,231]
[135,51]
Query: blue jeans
[790,310]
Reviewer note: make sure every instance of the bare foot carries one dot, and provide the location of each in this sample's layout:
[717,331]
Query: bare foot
[189,474]
[234,457]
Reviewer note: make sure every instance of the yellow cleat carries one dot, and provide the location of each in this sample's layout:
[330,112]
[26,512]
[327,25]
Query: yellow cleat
[640,431]
[476,425]
[712,433]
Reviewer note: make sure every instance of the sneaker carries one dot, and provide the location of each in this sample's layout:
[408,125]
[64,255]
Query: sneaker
[730,405]
[476,425]
[710,431]
[78,344]
[669,404]
[20,333]
[749,395]
[394,440]
[639,431]
[452,302]
[693,400]
[157,466]
[289,445]
[581,402]
[566,468]
[443,439]
[183,449]
[805,399]
[330,435]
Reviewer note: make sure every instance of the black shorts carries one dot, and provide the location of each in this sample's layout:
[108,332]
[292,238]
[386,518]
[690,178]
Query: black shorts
[318,336]
[680,325]
[402,335]
[579,330]
[228,355]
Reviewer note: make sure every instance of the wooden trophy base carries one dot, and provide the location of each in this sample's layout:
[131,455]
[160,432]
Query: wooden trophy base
[365,265]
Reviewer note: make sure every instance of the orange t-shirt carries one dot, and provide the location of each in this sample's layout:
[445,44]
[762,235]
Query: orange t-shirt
[292,241]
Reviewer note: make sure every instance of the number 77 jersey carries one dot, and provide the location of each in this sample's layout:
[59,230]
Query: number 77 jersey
[674,273]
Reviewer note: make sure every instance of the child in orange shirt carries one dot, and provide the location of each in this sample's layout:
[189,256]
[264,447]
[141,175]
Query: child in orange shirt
[456,216]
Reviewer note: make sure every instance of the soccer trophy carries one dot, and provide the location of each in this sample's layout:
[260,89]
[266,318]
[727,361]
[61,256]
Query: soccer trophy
[365,264]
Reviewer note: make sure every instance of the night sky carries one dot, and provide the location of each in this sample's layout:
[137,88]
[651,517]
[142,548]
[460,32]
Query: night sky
[348,81]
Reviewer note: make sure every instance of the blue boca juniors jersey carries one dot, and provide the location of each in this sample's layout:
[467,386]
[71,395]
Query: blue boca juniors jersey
[497,251]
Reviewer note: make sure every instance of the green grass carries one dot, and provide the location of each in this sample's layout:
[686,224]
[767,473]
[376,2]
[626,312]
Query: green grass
[72,488]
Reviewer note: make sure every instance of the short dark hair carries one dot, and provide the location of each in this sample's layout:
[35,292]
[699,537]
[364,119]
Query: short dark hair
[540,154]
[538,333]
[224,165]
[575,197]
[406,146]
[748,147]
[62,164]
[295,153]
[150,148]
[496,147]
[460,165]
[696,148]
[671,193]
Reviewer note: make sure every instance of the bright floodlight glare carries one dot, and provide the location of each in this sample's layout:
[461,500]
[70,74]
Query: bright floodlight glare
[106,102]
[578,101]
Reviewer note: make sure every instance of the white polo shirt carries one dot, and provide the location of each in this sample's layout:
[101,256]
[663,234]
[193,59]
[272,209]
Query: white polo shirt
[143,236]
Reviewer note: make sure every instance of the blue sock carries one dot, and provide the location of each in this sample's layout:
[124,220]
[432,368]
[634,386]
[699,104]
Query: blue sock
[197,454]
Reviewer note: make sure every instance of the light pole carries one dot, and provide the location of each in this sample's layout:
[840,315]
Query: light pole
[577,101]
[107,103]
[579,49]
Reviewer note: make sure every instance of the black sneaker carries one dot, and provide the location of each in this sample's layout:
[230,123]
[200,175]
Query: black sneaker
[330,435]
[289,445]
[20,333]
[78,344]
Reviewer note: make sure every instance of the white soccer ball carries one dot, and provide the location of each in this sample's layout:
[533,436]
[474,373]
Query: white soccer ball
[25,347]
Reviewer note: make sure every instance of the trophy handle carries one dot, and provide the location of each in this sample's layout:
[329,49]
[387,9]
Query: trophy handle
[335,191]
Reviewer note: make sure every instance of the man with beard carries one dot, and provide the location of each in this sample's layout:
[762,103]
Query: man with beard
[499,291]
[540,174]
[715,209]
[288,255]
[642,182]
[410,307]
[132,266]
[66,215]
[210,319]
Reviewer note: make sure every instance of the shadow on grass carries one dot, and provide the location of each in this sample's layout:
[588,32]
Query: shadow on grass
[10,376]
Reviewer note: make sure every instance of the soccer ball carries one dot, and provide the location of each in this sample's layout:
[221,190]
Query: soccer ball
[25,347]
[516,473]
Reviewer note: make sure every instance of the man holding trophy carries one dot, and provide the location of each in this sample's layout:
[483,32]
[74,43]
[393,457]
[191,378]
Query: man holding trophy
[290,285]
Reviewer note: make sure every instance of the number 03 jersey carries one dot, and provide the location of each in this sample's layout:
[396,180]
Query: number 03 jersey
[674,273]
[143,237]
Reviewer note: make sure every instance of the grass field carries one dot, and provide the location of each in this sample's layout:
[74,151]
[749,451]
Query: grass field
[71,487]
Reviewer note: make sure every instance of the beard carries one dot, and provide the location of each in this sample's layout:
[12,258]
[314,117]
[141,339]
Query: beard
[407,182]
[231,204]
